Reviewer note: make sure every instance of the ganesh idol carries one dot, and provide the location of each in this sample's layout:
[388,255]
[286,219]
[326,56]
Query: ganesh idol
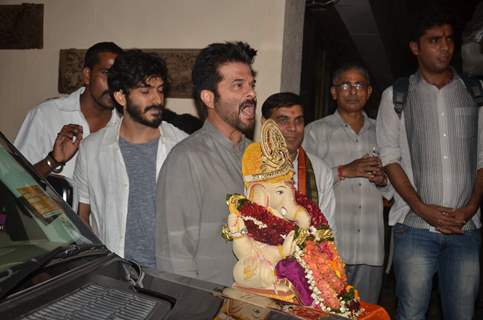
[283,243]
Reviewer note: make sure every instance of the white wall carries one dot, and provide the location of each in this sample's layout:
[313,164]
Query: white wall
[27,77]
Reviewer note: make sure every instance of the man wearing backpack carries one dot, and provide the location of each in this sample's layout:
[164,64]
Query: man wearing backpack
[428,139]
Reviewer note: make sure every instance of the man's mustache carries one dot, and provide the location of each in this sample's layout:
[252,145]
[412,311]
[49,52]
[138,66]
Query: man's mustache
[157,107]
[248,103]
[352,100]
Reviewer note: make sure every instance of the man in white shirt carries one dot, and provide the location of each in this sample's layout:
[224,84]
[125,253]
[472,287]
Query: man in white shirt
[51,133]
[432,150]
[346,141]
[313,177]
[117,167]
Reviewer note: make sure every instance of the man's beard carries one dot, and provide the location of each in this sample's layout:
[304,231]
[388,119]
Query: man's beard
[137,115]
[233,119]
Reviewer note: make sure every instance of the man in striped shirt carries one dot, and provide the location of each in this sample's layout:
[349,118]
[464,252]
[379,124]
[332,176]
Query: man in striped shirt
[346,141]
[433,160]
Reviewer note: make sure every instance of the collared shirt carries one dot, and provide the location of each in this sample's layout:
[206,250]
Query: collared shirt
[394,146]
[359,205]
[191,206]
[103,183]
[325,188]
[39,130]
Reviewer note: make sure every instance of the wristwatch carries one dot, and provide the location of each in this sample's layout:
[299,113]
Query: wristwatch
[54,166]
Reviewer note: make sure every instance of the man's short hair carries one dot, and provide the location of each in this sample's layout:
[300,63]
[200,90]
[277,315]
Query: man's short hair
[350,66]
[205,74]
[280,100]
[91,58]
[429,17]
[131,69]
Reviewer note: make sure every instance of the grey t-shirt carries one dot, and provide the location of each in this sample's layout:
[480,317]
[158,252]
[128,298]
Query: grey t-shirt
[140,161]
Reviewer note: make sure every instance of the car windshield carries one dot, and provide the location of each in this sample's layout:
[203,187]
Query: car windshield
[34,220]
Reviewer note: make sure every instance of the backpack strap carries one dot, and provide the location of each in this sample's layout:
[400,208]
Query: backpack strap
[399,94]
[401,86]
[474,87]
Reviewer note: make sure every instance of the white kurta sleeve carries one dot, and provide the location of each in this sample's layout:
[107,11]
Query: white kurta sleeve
[388,128]
[81,178]
[327,198]
[32,139]
[316,142]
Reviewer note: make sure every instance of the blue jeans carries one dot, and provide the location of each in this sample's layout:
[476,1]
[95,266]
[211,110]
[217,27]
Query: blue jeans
[418,255]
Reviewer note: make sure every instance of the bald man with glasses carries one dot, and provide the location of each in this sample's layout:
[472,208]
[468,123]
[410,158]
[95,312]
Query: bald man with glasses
[346,141]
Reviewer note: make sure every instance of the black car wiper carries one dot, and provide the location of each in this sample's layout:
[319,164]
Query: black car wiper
[14,277]
[84,249]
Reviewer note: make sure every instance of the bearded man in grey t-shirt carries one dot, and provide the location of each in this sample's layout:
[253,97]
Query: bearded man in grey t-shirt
[117,167]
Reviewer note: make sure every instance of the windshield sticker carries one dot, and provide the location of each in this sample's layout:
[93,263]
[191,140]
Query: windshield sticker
[42,205]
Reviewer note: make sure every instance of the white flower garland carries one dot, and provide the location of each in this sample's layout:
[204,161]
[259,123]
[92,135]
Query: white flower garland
[258,223]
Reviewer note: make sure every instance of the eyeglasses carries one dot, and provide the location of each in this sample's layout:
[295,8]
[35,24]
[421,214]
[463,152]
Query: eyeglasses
[346,86]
